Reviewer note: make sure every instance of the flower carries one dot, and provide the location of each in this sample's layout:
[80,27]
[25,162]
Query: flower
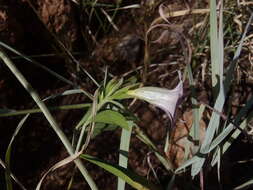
[165,99]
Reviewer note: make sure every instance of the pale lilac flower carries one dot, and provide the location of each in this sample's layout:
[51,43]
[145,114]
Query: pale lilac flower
[163,98]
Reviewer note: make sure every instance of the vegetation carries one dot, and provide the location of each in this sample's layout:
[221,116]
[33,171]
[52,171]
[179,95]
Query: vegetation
[211,125]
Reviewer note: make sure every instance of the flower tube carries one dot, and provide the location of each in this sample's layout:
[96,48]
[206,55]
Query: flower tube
[165,99]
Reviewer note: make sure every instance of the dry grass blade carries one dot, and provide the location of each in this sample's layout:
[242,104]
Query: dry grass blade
[162,15]
[90,117]
[109,19]
[48,116]
[58,165]
[134,6]
[180,13]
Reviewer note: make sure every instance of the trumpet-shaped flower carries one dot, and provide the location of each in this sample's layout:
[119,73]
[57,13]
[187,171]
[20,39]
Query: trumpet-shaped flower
[165,99]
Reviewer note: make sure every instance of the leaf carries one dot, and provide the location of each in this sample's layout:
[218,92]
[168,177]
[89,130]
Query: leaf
[245,185]
[101,127]
[59,164]
[8,112]
[217,50]
[48,116]
[187,163]
[36,63]
[12,175]
[124,149]
[112,86]
[130,177]
[112,117]
[122,93]
[8,152]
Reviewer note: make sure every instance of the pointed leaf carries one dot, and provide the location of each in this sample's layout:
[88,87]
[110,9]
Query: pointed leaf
[112,117]
[124,149]
[131,178]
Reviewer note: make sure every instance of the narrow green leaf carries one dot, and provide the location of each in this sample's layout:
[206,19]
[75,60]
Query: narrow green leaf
[214,44]
[48,116]
[124,149]
[8,153]
[122,93]
[145,139]
[112,117]
[130,177]
[217,75]
[36,63]
[12,175]
[8,113]
[195,126]
[112,86]
[101,127]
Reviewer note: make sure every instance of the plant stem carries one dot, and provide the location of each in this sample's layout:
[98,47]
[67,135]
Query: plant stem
[48,116]
[9,113]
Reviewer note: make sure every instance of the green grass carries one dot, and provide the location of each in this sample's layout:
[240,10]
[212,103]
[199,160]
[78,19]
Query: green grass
[106,109]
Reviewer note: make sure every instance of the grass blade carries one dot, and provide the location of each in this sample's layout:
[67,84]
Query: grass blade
[124,149]
[131,178]
[112,117]
[217,76]
[213,45]
[37,64]
[8,153]
[12,175]
[8,113]
[48,116]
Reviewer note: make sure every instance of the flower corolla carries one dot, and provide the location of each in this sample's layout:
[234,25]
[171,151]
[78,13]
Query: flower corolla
[165,99]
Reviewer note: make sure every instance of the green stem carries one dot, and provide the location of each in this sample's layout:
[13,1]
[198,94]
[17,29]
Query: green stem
[9,113]
[49,117]
[86,122]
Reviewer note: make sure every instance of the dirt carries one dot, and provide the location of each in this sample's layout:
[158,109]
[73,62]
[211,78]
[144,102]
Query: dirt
[61,27]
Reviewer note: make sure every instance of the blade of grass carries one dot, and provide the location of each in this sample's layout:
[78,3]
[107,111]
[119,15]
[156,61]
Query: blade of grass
[124,149]
[8,153]
[195,128]
[12,175]
[8,113]
[131,178]
[70,92]
[90,115]
[48,116]
[217,76]
[214,45]
[227,83]
[112,117]
[58,165]
[60,45]
[36,63]
[144,138]
[245,185]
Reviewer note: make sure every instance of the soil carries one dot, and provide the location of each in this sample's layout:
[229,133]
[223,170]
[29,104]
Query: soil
[58,28]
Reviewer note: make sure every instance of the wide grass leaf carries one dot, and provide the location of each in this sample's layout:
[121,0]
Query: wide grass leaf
[112,117]
[130,177]
[124,149]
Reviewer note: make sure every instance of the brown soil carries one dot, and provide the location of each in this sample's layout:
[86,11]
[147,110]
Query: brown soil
[58,27]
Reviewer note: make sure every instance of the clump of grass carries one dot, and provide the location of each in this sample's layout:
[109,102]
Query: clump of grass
[106,108]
